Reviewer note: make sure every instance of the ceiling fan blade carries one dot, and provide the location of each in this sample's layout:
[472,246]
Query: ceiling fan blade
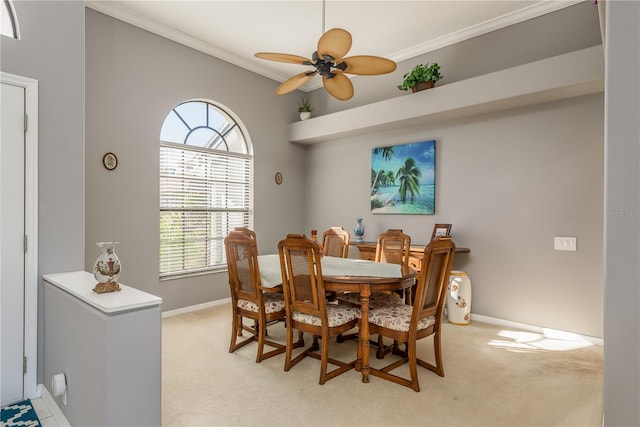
[335,43]
[283,57]
[367,65]
[340,87]
[294,83]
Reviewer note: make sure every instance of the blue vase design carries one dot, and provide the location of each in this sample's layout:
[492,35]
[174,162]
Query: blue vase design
[358,230]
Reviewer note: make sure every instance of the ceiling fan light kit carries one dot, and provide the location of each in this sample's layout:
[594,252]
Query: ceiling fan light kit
[329,62]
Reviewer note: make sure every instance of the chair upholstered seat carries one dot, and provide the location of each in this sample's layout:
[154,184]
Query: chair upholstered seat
[398,318]
[336,316]
[273,303]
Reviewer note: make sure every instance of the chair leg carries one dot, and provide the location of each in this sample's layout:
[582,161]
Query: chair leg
[439,367]
[383,350]
[234,333]
[289,351]
[262,332]
[413,368]
[324,356]
[239,325]
[438,351]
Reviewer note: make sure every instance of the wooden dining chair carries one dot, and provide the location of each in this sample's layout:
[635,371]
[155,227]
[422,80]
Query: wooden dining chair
[306,306]
[408,324]
[247,298]
[335,242]
[247,231]
[393,246]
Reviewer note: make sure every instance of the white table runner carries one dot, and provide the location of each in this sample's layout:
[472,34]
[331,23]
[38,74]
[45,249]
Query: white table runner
[271,275]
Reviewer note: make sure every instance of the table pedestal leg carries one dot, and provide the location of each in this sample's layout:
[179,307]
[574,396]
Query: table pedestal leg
[365,292]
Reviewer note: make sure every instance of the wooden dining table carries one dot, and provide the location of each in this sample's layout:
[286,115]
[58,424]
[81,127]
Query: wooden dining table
[348,275]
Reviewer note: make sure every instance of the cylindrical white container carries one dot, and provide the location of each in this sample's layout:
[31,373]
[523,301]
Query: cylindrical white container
[58,384]
[459,298]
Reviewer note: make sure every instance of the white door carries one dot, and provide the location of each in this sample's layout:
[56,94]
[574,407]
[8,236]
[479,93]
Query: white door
[12,232]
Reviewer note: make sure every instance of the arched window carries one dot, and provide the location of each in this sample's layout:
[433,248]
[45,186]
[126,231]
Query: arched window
[9,20]
[206,187]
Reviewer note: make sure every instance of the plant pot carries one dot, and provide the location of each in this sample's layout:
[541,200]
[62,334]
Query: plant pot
[304,115]
[423,85]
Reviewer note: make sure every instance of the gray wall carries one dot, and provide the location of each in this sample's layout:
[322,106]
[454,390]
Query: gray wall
[51,51]
[508,182]
[622,204]
[567,30]
[134,79]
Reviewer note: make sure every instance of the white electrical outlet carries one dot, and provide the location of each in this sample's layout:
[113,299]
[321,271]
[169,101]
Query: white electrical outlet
[564,243]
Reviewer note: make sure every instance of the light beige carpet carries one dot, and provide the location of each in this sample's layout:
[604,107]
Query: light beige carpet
[493,377]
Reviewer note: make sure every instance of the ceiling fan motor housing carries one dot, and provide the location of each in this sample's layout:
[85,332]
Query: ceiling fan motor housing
[324,65]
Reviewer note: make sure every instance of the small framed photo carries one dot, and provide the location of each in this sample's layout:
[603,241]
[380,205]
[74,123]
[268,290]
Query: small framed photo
[441,230]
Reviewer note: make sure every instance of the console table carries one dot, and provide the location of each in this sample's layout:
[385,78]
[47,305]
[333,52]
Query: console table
[368,251]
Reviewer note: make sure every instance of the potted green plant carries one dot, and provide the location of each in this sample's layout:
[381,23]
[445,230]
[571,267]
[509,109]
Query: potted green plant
[304,108]
[423,76]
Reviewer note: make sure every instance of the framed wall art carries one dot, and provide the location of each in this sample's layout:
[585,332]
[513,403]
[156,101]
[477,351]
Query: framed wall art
[403,179]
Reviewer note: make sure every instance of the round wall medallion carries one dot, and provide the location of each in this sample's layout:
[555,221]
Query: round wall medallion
[110,161]
[278,178]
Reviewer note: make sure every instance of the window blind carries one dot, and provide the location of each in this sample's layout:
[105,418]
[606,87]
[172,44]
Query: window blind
[204,194]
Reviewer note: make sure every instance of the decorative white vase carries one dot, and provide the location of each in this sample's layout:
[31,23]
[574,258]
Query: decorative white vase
[107,268]
[459,298]
[358,230]
[304,115]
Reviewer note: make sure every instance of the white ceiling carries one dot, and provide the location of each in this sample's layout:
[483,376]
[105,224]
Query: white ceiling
[398,30]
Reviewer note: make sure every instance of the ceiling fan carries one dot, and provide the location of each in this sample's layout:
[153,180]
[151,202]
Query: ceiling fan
[329,62]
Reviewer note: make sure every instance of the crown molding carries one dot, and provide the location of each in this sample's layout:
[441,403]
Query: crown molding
[109,8]
[115,11]
[485,27]
[488,26]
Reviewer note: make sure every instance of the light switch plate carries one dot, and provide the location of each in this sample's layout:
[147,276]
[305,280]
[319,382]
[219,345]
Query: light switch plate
[564,243]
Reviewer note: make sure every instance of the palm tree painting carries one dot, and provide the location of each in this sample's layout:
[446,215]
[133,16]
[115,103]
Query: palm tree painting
[403,179]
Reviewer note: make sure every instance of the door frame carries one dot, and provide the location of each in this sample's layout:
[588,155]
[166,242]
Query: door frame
[31,230]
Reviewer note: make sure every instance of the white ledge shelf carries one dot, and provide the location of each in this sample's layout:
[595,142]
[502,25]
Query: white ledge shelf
[81,283]
[551,79]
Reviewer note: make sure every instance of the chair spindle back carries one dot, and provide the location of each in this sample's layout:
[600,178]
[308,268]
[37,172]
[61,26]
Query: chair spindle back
[335,242]
[393,247]
[302,275]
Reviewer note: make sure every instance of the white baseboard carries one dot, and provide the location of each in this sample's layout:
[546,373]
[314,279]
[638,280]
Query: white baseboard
[196,307]
[53,407]
[532,328]
[476,317]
